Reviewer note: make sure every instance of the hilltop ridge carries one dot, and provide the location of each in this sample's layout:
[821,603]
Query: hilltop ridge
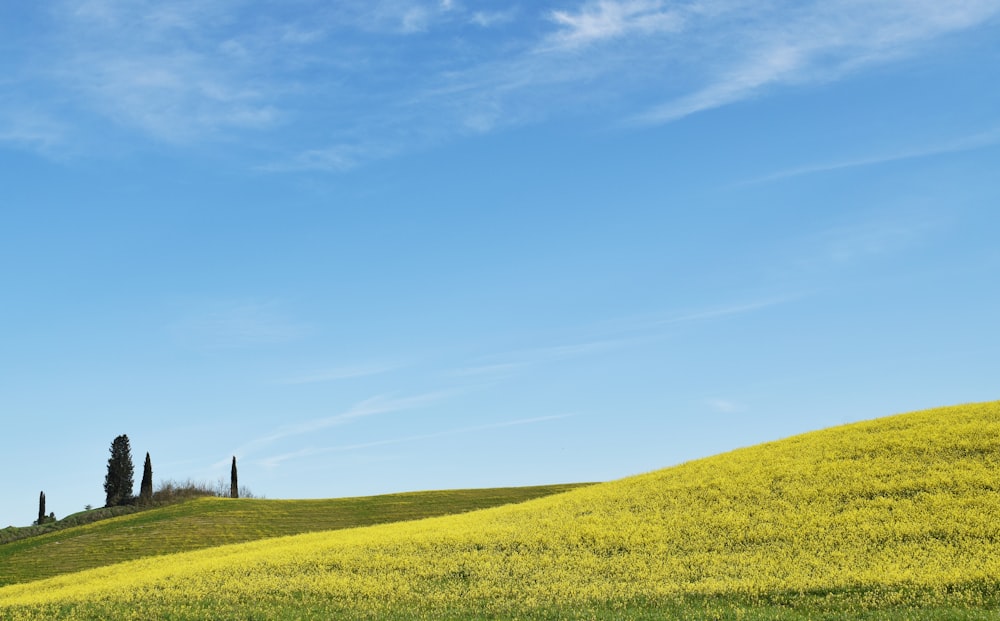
[211,521]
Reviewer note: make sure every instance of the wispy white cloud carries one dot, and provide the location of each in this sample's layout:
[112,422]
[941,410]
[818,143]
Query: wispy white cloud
[655,323]
[617,334]
[397,17]
[784,44]
[369,407]
[277,460]
[980,140]
[863,239]
[612,19]
[31,130]
[334,158]
[691,57]
[364,73]
[415,19]
[768,66]
[490,19]
[170,70]
[175,97]
[876,235]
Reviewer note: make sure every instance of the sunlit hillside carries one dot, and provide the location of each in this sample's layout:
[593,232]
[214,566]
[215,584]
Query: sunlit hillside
[901,512]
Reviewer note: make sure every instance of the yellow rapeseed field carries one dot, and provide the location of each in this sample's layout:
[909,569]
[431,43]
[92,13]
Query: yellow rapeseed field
[885,507]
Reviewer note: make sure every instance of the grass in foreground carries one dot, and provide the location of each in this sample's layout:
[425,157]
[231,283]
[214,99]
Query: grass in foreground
[208,522]
[919,606]
[897,518]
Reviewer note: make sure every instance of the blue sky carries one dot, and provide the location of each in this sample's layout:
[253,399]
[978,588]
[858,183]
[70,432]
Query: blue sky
[413,244]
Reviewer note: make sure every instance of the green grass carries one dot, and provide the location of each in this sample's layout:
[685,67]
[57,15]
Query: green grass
[209,522]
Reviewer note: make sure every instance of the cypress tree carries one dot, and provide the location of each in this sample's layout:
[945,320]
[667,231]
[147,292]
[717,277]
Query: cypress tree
[234,490]
[118,482]
[146,487]
[41,508]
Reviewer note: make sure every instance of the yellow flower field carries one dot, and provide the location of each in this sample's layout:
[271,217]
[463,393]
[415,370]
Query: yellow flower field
[905,504]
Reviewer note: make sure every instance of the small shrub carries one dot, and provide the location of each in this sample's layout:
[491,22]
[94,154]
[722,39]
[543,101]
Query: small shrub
[173,491]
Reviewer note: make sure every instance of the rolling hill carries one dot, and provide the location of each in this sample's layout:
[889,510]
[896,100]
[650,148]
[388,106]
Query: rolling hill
[209,522]
[893,518]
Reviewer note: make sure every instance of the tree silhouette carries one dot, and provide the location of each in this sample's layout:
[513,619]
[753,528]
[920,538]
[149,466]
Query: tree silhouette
[118,481]
[234,490]
[146,487]
[41,508]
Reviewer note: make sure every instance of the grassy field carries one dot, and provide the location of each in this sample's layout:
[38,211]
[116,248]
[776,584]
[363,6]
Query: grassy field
[208,522]
[897,518]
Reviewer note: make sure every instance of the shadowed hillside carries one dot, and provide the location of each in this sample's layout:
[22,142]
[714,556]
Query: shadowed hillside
[208,522]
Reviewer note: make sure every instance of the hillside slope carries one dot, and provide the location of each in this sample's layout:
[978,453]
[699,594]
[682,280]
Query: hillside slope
[901,511]
[209,522]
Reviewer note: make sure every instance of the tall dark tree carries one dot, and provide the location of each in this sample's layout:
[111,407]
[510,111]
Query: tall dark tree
[234,490]
[146,487]
[41,508]
[118,482]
